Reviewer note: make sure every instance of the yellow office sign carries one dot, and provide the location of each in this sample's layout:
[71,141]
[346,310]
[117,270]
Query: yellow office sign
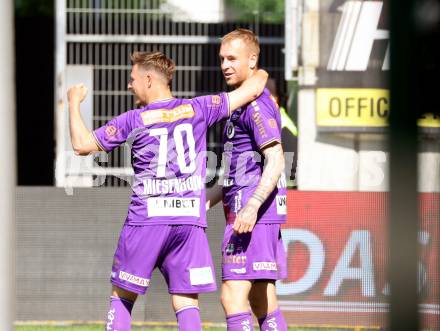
[429,121]
[349,108]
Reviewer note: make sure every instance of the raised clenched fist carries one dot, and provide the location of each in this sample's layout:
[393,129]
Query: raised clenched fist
[77,93]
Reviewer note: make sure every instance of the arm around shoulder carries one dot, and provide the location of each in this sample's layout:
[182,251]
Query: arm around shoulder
[249,90]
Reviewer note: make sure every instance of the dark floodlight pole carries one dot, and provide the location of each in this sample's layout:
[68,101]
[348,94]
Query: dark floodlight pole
[404,221]
[7,167]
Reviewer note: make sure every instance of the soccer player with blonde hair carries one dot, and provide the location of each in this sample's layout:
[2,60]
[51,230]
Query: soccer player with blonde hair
[166,220]
[254,196]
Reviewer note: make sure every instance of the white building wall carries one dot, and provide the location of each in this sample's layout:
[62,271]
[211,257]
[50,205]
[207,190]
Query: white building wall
[203,11]
[373,173]
[322,164]
[429,166]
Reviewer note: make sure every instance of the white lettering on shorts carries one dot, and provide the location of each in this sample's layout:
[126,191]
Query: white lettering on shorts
[264,266]
[281,204]
[272,324]
[201,276]
[110,318]
[144,282]
[173,207]
[246,325]
[239,271]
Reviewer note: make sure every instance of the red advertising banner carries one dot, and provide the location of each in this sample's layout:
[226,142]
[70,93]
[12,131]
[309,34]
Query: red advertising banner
[337,259]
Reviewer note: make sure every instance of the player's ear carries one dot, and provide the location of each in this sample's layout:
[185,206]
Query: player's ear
[253,59]
[149,79]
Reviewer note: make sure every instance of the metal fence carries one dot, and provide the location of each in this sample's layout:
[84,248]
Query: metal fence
[100,35]
[64,255]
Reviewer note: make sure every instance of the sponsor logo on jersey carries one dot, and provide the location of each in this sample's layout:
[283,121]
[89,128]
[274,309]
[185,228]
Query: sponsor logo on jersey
[271,266]
[201,276]
[216,100]
[272,123]
[230,130]
[110,130]
[281,201]
[239,271]
[167,115]
[173,207]
[256,116]
[234,259]
[144,282]
[355,37]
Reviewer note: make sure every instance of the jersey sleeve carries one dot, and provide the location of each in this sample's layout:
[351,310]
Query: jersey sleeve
[215,108]
[115,132]
[263,123]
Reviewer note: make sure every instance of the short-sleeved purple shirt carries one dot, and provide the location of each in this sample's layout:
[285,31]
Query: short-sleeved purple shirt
[246,133]
[168,157]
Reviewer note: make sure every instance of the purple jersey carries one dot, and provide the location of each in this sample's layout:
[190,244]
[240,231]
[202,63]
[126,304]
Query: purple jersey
[246,133]
[168,157]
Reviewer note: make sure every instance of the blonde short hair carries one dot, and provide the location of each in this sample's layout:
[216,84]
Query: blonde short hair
[156,61]
[247,36]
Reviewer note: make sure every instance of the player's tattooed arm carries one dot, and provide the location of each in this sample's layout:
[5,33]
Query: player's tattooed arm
[273,168]
[272,171]
[82,139]
[249,90]
[213,196]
